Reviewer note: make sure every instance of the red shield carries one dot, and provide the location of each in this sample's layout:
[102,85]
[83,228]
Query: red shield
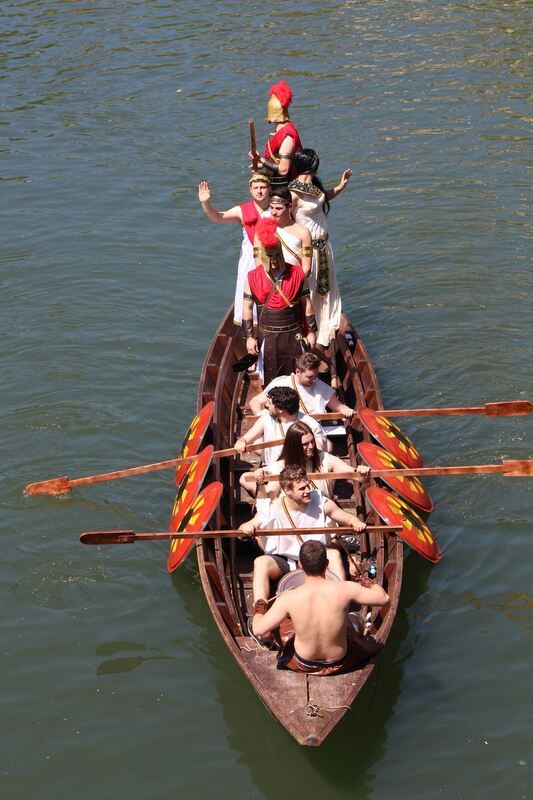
[406,485]
[194,518]
[390,437]
[193,438]
[394,510]
[191,483]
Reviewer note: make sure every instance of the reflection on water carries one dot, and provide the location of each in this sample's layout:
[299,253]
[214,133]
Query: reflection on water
[516,606]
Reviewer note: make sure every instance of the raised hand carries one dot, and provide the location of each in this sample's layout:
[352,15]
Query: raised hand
[204,192]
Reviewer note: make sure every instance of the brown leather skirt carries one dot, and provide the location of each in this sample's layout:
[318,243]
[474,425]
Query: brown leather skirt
[359,650]
[278,331]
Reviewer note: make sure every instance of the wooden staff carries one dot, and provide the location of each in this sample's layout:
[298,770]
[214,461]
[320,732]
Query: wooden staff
[253,145]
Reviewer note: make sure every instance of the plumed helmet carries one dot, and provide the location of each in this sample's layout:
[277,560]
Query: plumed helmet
[280,98]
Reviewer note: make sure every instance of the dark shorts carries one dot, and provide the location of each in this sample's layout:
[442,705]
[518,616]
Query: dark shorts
[282,562]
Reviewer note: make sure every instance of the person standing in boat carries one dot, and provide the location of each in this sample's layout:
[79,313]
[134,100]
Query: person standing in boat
[323,640]
[246,214]
[299,449]
[310,207]
[279,292]
[274,422]
[301,508]
[284,141]
[315,396]
[295,238]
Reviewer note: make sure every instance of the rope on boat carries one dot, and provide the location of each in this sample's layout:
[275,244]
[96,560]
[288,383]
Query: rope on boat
[314,710]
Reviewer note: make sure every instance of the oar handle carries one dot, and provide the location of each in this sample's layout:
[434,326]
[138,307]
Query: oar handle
[130,537]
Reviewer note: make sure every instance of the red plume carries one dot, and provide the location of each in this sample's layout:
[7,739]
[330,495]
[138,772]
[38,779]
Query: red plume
[266,232]
[283,92]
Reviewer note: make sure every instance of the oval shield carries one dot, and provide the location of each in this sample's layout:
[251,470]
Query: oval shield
[406,485]
[194,518]
[390,437]
[393,510]
[193,438]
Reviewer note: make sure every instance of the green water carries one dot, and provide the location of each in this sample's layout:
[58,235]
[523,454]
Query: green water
[114,679]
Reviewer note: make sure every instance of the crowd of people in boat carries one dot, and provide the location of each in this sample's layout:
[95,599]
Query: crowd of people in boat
[288,303]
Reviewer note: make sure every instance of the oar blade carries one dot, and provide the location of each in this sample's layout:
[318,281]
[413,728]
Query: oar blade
[508,408]
[52,486]
[514,469]
[395,511]
[194,518]
[107,537]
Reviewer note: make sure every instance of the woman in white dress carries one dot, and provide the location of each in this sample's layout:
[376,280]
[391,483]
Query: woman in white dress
[310,207]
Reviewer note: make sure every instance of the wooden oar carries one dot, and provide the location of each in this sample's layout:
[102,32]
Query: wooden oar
[65,484]
[510,468]
[253,144]
[508,408]
[130,537]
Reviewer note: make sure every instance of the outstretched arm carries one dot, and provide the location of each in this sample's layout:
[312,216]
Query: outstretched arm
[265,623]
[342,517]
[204,196]
[345,177]
[374,595]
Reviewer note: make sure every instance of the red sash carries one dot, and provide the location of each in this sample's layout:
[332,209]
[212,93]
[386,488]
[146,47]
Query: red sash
[261,286]
[250,218]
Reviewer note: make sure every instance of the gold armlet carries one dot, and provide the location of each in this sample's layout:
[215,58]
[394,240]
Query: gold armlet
[307,250]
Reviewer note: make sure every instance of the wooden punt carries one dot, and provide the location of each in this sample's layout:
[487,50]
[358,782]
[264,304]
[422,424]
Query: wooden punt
[309,707]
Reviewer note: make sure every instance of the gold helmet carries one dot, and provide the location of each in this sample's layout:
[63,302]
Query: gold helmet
[280,98]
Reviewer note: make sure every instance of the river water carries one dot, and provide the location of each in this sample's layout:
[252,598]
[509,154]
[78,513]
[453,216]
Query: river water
[115,681]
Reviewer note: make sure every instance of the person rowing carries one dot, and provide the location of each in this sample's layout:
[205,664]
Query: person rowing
[302,508]
[281,412]
[315,395]
[300,449]
[324,641]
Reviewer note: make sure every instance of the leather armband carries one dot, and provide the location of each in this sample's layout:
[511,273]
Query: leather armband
[248,328]
[305,292]
[311,323]
[307,250]
[247,296]
[260,607]
[257,252]
[271,165]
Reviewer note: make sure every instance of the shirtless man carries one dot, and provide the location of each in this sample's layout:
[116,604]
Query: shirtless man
[300,508]
[247,215]
[324,640]
[279,414]
[315,395]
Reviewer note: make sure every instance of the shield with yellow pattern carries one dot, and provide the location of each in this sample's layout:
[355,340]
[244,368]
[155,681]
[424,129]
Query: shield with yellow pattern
[390,437]
[407,486]
[191,520]
[393,510]
[193,438]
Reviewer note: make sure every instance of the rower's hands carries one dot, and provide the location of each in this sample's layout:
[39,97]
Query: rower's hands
[260,476]
[248,529]
[311,339]
[251,346]
[240,445]
[255,158]
[357,525]
[363,470]
[346,411]
[204,192]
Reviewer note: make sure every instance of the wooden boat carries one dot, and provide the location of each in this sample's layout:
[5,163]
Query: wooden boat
[308,706]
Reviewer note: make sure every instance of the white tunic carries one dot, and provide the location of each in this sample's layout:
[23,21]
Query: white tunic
[275,429]
[246,264]
[315,397]
[323,486]
[310,212]
[294,243]
[275,518]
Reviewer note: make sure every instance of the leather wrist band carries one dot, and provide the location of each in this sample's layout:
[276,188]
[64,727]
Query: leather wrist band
[248,328]
[311,323]
[271,165]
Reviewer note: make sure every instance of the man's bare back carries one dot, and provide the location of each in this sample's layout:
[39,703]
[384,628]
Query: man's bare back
[319,610]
